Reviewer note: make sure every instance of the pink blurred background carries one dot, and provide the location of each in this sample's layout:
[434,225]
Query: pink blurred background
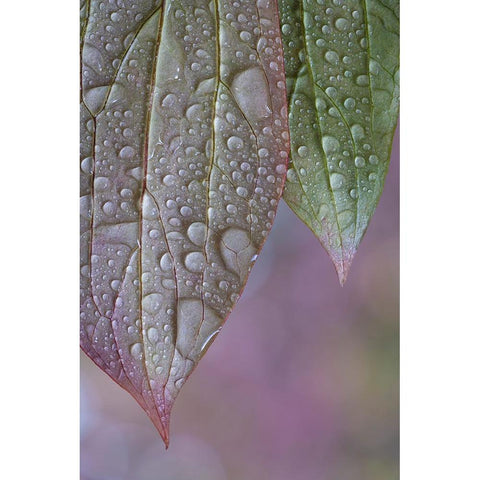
[301,383]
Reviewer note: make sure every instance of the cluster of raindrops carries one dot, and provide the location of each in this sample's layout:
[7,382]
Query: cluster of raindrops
[182,177]
[333,150]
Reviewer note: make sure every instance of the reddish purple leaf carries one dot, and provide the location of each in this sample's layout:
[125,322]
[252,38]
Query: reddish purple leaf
[184,143]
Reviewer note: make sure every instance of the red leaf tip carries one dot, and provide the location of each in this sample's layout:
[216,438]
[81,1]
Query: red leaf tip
[343,262]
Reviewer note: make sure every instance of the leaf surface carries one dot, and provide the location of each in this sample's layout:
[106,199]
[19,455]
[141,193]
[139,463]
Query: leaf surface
[342,66]
[184,146]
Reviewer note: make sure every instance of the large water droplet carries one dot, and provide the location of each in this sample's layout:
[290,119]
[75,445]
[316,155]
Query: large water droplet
[195,262]
[101,184]
[196,233]
[362,80]
[166,262]
[249,84]
[349,103]
[234,143]
[152,303]
[332,57]
[302,151]
[109,208]
[242,192]
[136,351]
[359,162]
[126,153]
[341,24]
[337,180]
[169,180]
[152,334]
[330,144]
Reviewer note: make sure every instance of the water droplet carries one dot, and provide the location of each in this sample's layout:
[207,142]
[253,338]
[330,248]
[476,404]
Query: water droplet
[169,180]
[179,383]
[237,250]
[86,165]
[249,84]
[109,208]
[373,159]
[245,36]
[330,144]
[359,162]
[337,180]
[292,175]
[101,184]
[341,24]
[349,103]
[194,113]
[242,192]
[195,262]
[154,233]
[149,209]
[332,57]
[358,132]
[166,262]
[152,303]
[196,233]
[263,152]
[186,211]
[136,350]
[126,193]
[169,100]
[234,143]
[302,151]
[362,80]
[331,92]
[152,334]
[126,153]
[374,67]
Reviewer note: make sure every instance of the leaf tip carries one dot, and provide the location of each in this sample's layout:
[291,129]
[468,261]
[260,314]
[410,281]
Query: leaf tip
[160,417]
[343,262]
[164,431]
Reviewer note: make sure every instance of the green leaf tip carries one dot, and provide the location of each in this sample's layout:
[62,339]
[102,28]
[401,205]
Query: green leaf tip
[342,68]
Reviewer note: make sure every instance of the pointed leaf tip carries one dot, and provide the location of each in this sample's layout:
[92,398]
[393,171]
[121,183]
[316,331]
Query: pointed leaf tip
[343,108]
[161,421]
[342,261]
[184,147]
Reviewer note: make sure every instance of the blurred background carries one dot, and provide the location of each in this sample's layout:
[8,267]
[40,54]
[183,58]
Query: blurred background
[301,383]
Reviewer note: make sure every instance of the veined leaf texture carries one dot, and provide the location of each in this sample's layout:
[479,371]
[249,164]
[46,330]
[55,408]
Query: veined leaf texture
[184,148]
[342,67]
[184,154]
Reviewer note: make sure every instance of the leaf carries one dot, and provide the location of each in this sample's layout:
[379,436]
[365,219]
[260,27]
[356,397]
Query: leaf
[342,66]
[184,145]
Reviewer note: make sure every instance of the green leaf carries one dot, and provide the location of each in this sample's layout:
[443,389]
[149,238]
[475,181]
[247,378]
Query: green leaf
[184,146]
[342,66]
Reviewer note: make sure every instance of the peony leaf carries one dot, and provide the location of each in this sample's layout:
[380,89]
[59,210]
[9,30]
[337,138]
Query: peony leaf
[184,146]
[342,66]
